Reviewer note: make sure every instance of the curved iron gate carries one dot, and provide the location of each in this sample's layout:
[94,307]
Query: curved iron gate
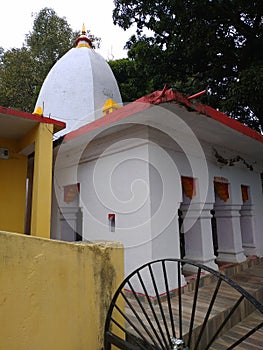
[152,309]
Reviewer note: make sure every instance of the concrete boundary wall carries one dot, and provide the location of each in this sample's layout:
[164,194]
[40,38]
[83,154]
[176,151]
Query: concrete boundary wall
[55,295]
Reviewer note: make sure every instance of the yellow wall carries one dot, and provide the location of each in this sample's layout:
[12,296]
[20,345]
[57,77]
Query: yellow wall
[13,172]
[55,295]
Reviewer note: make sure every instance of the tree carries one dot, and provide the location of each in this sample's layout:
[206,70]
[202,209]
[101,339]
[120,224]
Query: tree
[193,45]
[18,79]
[49,40]
[22,71]
[130,79]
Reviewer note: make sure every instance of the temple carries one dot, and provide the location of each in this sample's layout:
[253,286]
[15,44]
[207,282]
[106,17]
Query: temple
[165,175]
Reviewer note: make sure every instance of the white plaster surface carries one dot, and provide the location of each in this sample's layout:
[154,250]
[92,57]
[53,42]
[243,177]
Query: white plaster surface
[77,87]
[128,174]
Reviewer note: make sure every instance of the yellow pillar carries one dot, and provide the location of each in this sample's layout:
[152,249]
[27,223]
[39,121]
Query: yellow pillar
[42,180]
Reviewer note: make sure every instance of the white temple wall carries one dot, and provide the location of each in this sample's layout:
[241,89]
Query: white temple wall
[165,199]
[139,181]
[257,202]
[238,175]
[118,184]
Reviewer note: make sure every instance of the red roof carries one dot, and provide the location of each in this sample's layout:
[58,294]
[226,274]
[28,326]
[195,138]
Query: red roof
[25,115]
[15,124]
[159,97]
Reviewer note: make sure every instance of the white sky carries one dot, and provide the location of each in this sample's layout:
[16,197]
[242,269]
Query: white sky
[17,21]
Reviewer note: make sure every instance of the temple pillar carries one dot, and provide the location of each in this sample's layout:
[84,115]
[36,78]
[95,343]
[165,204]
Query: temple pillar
[248,230]
[198,236]
[42,182]
[229,233]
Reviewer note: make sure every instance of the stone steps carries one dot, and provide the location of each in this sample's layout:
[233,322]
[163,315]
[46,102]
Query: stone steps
[248,275]
[254,342]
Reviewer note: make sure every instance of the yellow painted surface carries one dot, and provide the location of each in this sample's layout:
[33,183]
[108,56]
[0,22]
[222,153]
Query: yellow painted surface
[110,106]
[13,172]
[38,111]
[84,45]
[55,295]
[27,140]
[41,198]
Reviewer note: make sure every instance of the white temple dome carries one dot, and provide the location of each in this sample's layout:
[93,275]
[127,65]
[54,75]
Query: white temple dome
[77,87]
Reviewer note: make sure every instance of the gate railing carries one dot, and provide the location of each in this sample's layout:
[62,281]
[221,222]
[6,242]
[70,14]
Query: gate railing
[150,309]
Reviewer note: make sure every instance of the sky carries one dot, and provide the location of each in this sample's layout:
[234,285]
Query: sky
[17,20]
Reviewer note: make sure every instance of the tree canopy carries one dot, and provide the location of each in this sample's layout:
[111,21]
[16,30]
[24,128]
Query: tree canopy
[188,45]
[18,79]
[195,45]
[130,79]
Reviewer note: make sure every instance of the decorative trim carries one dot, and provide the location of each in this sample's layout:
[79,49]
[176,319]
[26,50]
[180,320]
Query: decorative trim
[244,191]
[221,190]
[221,179]
[188,184]
[71,192]
[109,106]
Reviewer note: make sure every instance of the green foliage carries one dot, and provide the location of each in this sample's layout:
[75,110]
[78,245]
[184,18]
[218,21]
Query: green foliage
[22,71]
[17,79]
[192,45]
[130,79]
[50,38]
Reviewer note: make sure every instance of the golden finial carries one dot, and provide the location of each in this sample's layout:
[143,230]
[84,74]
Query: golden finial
[83,40]
[83,30]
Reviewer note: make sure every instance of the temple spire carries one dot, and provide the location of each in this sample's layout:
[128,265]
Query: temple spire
[83,40]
